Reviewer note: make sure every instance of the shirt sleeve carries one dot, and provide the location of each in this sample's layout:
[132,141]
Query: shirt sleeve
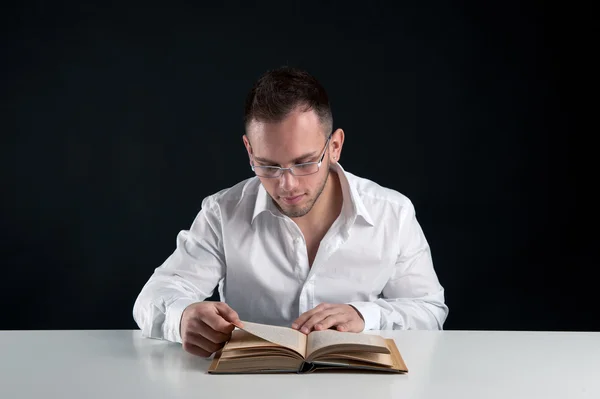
[190,274]
[413,298]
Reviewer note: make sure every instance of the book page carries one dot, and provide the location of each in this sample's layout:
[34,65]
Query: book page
[397,360]
[383,359]
[318,340]
[254,353]
[244,340]
[223,364]
[283,336]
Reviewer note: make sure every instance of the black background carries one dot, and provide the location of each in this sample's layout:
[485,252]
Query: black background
[119,118]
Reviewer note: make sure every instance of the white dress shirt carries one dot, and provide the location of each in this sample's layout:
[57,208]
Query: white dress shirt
[374,257]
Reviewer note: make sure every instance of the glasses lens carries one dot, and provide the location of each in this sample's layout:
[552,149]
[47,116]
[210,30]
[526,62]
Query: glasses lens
[306,169]
[298,170]
[265,171]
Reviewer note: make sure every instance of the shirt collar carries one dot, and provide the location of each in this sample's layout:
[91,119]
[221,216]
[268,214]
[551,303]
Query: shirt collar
[352,207]
[353,204]
[263,203]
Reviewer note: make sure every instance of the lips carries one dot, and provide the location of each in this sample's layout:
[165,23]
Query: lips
[292,200]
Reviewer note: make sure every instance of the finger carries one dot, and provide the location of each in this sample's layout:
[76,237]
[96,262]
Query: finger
[201,342]
[332,321]
[317,318]
[351,326]
[215,336]
[356,322]
[194,350]
[228,314]
[299,322]
[214,320]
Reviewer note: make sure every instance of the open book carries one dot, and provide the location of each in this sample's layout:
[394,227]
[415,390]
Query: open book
[260,348]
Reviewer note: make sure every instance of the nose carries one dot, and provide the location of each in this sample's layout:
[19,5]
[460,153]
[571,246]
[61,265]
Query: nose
[287,181]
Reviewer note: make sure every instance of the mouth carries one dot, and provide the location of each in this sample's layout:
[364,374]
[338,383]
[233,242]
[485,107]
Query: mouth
[292,200]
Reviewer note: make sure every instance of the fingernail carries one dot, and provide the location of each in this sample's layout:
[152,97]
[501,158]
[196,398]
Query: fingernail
[294,326]
[318,327]
[305,330]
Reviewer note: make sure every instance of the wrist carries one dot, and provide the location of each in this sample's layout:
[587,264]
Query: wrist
[357,312]
[172,326]
[370,313]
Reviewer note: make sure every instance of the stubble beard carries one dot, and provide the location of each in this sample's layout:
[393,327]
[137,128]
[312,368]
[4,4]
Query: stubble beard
[296,213]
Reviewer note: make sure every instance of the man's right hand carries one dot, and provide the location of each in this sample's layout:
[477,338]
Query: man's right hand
[206,326]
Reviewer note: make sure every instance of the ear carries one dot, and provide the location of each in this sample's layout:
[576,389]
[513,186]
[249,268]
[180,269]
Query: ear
[247,145]
[335,145]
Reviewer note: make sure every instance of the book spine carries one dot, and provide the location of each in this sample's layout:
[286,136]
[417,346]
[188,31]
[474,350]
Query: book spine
[306,367]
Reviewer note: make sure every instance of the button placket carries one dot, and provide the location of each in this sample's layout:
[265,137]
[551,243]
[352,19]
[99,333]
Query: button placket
[300,254]
[334,242]
[296,247]
[334,239]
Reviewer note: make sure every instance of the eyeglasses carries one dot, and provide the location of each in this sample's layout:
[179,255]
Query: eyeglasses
[301,169]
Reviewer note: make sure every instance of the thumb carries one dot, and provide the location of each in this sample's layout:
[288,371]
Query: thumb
[226,312]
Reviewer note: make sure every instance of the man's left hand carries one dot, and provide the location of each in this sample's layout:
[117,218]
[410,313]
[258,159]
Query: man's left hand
[324,316]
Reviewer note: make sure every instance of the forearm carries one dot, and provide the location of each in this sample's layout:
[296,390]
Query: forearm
[160,304]
[424,313]
[189,275]
[413,298]
[182,280]
[158,309]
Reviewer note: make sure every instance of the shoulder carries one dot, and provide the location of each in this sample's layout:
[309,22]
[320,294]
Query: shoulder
[237,196]
[380,200]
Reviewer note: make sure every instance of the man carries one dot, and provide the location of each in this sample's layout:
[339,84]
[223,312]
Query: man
[303,243]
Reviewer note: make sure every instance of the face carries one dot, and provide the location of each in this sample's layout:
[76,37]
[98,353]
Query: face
[299,138]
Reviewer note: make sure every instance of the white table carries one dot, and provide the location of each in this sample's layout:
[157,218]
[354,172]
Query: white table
[448,364]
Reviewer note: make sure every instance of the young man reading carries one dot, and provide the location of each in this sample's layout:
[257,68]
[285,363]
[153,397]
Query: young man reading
[303,244]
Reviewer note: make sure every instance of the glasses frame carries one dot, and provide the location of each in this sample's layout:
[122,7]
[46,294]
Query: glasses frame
[279,170]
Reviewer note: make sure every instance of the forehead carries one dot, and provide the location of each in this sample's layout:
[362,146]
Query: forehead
[299,133]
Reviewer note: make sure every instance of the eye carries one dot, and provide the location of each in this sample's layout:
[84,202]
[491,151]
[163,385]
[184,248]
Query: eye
[303,166]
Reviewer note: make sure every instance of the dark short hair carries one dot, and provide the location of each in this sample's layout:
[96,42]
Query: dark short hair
[280,91]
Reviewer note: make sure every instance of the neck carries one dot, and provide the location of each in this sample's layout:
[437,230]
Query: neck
[326,209]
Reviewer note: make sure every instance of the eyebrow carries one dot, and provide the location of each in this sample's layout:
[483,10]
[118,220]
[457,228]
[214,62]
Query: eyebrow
[300,158]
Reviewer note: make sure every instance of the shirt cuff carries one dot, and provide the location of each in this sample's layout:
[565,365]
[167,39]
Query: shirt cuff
[371,313]
[173,319]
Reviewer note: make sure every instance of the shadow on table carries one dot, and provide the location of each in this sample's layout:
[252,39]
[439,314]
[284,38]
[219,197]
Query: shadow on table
[167,358]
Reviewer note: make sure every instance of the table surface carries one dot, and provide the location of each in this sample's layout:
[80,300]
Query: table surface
[442,364]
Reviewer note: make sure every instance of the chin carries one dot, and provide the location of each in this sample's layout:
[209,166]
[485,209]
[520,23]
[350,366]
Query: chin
[295,211]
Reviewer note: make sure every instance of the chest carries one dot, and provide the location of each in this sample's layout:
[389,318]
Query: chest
[276,247]
[276,267]
[312,247]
